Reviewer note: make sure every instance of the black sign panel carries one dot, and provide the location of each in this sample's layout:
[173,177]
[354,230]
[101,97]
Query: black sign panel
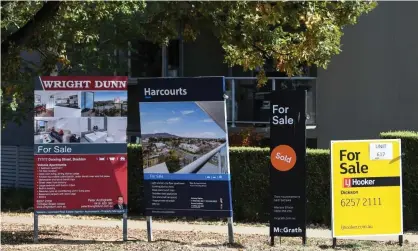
[287,163]
[185,147]
[181,89]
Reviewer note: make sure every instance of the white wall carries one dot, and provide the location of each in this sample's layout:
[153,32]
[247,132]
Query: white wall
[72,124]
[97,121]
[84,124]
[371,86]
[66,112]
[116,126]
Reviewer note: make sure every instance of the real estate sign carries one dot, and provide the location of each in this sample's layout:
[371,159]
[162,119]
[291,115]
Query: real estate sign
[185,147]
[287,163]
[80,147]
[366,181]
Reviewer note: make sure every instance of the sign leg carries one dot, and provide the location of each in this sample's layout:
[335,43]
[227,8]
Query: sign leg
[149,228]
[304,240]
[334,242]
[230,230]
[125,226]
[35,227]
[401,240]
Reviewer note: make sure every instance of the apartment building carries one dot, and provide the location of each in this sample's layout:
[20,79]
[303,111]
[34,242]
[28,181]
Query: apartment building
[371,86]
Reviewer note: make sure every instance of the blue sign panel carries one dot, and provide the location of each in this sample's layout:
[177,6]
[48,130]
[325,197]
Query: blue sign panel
[185,147]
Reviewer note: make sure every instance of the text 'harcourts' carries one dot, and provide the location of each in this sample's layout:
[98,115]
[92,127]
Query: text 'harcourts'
[165,92]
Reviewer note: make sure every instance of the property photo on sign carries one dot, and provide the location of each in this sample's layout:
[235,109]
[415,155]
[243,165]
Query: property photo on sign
[185,147]
[180,137]
[287,164]
[80,145]
[366,182]
[100,104]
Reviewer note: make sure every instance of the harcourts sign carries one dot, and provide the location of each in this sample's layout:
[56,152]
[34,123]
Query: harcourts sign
[148,92]
[180,89]
[287,164]
[186,164]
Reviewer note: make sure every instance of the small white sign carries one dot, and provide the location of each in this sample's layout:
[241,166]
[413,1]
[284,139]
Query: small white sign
[381,151]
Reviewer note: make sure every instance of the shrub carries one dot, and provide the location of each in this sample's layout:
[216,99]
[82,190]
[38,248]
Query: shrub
[16,198]
[248,137]
[251,188]
[135,179]
[409,146]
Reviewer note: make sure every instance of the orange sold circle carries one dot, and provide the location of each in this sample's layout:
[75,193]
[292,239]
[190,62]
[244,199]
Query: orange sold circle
[283,158]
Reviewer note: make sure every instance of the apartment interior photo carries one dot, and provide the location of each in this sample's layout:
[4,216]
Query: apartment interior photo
[56,130]
[103,129]
[57,104]
[44,104]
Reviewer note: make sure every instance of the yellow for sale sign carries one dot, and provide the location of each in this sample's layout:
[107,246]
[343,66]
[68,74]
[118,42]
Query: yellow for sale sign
[366,186]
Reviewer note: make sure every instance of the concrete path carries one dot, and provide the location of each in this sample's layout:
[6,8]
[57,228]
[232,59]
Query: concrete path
[183,226]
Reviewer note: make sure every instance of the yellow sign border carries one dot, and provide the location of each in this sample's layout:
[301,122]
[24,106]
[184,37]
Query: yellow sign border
[332,185]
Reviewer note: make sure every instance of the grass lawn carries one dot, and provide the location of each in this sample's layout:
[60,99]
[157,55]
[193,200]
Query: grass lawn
[192,220]
[74,238]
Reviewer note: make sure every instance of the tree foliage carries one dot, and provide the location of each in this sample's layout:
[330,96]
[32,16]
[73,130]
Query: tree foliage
[81,37]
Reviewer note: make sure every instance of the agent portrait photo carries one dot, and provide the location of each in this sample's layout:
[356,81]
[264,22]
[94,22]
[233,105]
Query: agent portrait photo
[120,204]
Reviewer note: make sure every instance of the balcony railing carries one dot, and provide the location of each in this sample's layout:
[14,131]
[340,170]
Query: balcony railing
[248,104]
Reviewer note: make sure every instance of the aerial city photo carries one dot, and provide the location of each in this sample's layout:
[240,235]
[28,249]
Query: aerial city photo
[104,103]
[184,137]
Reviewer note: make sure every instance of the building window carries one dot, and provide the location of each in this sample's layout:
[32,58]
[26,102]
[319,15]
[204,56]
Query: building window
[310,87]
[134,138]
[173,58]
[146,59]
[252,105]
[312,143]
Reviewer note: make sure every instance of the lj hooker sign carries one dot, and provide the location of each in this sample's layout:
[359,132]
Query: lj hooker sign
[366,180]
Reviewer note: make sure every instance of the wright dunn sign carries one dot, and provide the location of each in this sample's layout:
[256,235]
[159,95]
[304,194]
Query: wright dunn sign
[80,149]
[287,163]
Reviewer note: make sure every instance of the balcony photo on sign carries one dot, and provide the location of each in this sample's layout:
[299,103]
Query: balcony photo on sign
[184,137]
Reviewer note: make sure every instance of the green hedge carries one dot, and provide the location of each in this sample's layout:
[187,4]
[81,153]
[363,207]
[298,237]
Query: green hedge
[251,188]
[409,145]
[250,183]
[16,199]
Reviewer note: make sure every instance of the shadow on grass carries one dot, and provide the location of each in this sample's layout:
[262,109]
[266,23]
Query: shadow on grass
[203,245]
[172,241]
[50,237]
[75,242]
[212,245]
[344,246]
[20,237]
